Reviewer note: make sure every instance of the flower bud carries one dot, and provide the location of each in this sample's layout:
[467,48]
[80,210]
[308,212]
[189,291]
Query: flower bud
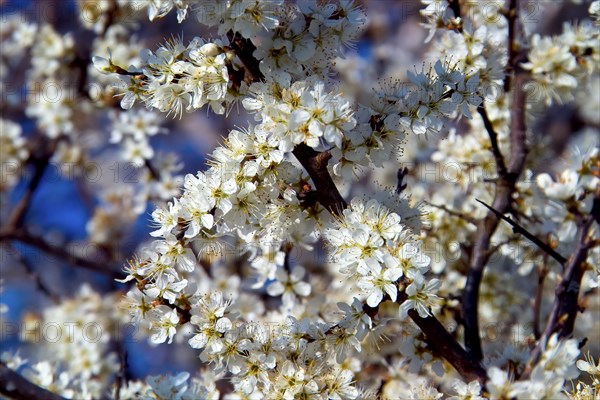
[210,50]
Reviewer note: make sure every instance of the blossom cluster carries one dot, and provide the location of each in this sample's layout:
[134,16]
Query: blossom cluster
[53,110]
[302,112]
[76,337]
[277,293]
[177,77]
[557,364]
[559,64]
[257,353]
[371,246]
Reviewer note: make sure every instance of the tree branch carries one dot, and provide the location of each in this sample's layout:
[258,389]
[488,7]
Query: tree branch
[33,274]
[487,226]
[440,341]
[401,175]
[244,49]
[511,16]
[489,127]
[446,346]
[315,164]
[40,164]
[61,252]
[17,387]
[455,7]
[534,239]
[565,307]
[120,377]
[453,213]
[154,173]
[537,301]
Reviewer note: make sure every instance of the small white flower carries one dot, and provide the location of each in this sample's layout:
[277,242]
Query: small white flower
[563,189]
[421,296]
[378,281]
[165,320]
[289,285]
[471,391]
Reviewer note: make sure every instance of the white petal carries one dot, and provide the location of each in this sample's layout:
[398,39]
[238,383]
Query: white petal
[302,289]
[275,289]
[375,298]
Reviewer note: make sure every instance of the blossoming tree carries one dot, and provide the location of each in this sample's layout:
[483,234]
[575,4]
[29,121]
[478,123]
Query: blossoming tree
[419,230]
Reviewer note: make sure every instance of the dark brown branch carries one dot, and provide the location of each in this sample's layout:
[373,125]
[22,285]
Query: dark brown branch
[17,387]
[489,127]
[315,164]
[154,173]
[244,49]
[121,374]
[446,346]
[40,164]
[111,15]
[565,307]
[537,301]
[33,274]
[439,340]
[595,212]
[287,262]
[505,187]
[61,252]
[455,7]
[534,239]
[401,175]
[511,15]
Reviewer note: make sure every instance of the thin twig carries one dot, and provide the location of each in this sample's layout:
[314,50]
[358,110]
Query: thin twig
[454,213]
[33,274]
[121,374]
[565,306]
[40,163]
[401,175]
[489,127]
[61,252]
[534,239]
[511,15]
[505,187]
[315,163]
[537,301]
[287,262]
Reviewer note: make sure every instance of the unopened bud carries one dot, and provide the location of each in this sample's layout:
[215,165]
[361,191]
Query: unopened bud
[210,50]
